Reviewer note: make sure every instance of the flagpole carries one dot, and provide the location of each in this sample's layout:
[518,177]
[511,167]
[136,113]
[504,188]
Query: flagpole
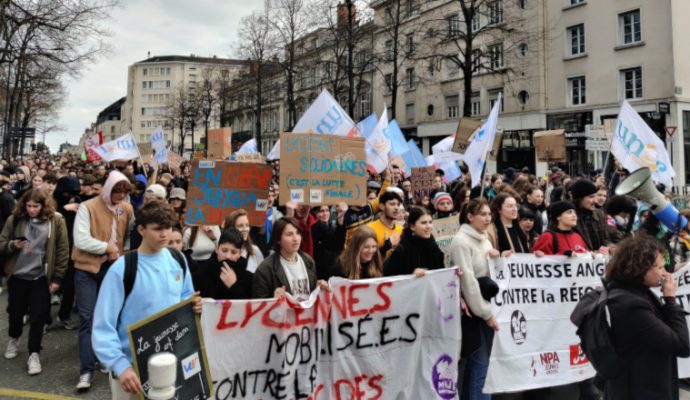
[481,192]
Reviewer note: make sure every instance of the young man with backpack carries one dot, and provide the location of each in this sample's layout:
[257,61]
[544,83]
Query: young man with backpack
[138,285]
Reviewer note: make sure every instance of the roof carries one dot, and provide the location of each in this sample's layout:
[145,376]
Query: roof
[192,58]
[110,110]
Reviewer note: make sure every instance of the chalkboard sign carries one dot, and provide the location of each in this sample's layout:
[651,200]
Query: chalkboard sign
[177,330]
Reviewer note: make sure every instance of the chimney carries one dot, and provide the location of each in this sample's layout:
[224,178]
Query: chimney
[148,54]
[342,14]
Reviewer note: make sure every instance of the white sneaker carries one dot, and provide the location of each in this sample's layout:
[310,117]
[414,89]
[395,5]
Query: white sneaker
[54,299]
[12,348]
[84,383]
[34,364]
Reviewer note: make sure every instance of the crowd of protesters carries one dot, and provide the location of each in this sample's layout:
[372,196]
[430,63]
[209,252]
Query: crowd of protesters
[66,223]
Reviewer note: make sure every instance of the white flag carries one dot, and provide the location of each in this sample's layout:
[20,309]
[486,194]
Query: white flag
[158,144]
[477,151]
[378,144]
[324,115]
[249,147]
[123,148]
[635,146]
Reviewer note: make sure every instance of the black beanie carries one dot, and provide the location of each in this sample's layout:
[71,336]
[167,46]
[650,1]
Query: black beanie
[558,208]
[582,188]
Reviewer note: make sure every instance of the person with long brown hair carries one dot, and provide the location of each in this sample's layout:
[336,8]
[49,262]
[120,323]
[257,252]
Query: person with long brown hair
[418,250]
[361,258]
[239,219]
[504,233]
[35,242]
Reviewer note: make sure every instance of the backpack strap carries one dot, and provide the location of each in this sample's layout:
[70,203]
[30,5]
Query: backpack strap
[130,275]
[554,241]
[179,257]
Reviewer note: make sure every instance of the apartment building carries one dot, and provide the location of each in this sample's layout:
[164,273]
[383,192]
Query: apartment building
[152,85]
[109,121]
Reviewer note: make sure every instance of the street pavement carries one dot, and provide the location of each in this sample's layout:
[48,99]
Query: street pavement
[60,361]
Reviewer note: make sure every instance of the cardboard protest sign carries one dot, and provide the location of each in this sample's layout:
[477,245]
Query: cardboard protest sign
[322,169]
[174,159]
[362,337]
[176,330]
[422,180]
[219,145]
[465,130]
[444,230]
[220,187]
[249,157]
[550,145]
[146,151]
[537,346]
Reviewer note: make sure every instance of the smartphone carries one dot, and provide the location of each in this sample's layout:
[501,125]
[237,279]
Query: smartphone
[21,238]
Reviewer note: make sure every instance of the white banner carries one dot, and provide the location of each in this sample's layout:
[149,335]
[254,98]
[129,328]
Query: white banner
[248,147]
[379,144]
[682,277]
[635,146]
[536,345]
[123,148]
[362,340]
[158,144]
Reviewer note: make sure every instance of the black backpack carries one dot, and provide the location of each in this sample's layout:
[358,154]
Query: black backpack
[591,316]
[131,263]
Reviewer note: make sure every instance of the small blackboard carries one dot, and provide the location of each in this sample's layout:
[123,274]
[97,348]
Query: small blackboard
[176,330]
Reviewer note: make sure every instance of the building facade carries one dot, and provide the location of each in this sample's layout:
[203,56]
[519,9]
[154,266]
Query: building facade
[152,87]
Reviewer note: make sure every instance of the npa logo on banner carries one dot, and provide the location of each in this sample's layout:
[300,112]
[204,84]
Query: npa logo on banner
[635,146]
[362,340]
[537,346]
[123,148]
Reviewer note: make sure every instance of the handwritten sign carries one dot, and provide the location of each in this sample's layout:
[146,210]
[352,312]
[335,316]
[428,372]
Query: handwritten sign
[176,330]
[219,143]
[422,182]
[463,133]
[249,158]
[322,169]
[146,150]
[174,160]
[444,230]
[361,340]
[219,187]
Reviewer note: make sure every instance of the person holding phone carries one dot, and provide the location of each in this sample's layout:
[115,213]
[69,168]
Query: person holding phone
[35,242]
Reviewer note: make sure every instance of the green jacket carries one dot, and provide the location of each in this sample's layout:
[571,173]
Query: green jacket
[57,250]
[269,276]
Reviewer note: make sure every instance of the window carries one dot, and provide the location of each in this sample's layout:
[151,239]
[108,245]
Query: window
[388,79]
[577,88]
[143,124]
[629,27]
[146,71]
[389,50]
[452,69]
[576,40]
[496,56]
[631,81]
[574,2]
[410,7]
[476,104]
[522,49]
[409,113]
[409,78]
[452,106]
[493,97]
[143,84]
[409,39]
[495,12]
[522,4]
[431,68]
[454,25]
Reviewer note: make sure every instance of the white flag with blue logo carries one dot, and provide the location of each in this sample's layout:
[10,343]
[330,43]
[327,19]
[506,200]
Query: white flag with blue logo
[248,147]
[123,148]
[635,145]
[158,144]
[481,145]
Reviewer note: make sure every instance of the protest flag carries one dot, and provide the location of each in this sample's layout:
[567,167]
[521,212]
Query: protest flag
[123,148]
[481,145]
[635,145]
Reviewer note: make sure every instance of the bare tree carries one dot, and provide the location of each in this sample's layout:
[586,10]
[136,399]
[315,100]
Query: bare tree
[289,21]
[223,89]
[205,93]
[255,44]
[177,112]
[477,39]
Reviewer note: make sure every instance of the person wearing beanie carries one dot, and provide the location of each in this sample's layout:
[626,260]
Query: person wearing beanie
[443,204]
[561,238]
[591,222]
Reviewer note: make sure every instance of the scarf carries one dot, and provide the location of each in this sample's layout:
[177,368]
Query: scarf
[510,238]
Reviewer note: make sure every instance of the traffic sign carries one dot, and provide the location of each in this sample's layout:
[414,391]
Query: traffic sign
[670,131]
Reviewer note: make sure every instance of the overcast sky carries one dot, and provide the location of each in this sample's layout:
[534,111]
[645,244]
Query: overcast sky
[163,27]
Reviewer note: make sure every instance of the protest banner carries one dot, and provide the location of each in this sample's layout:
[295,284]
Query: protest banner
[249,158]
[422,180]
[220,187]
[466,128]
[90,145]
[123,148]
[362,339]
[174,159]
[322,169]
[444,230]
[175,330]
[536,345]
[219,145]
[682,277]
